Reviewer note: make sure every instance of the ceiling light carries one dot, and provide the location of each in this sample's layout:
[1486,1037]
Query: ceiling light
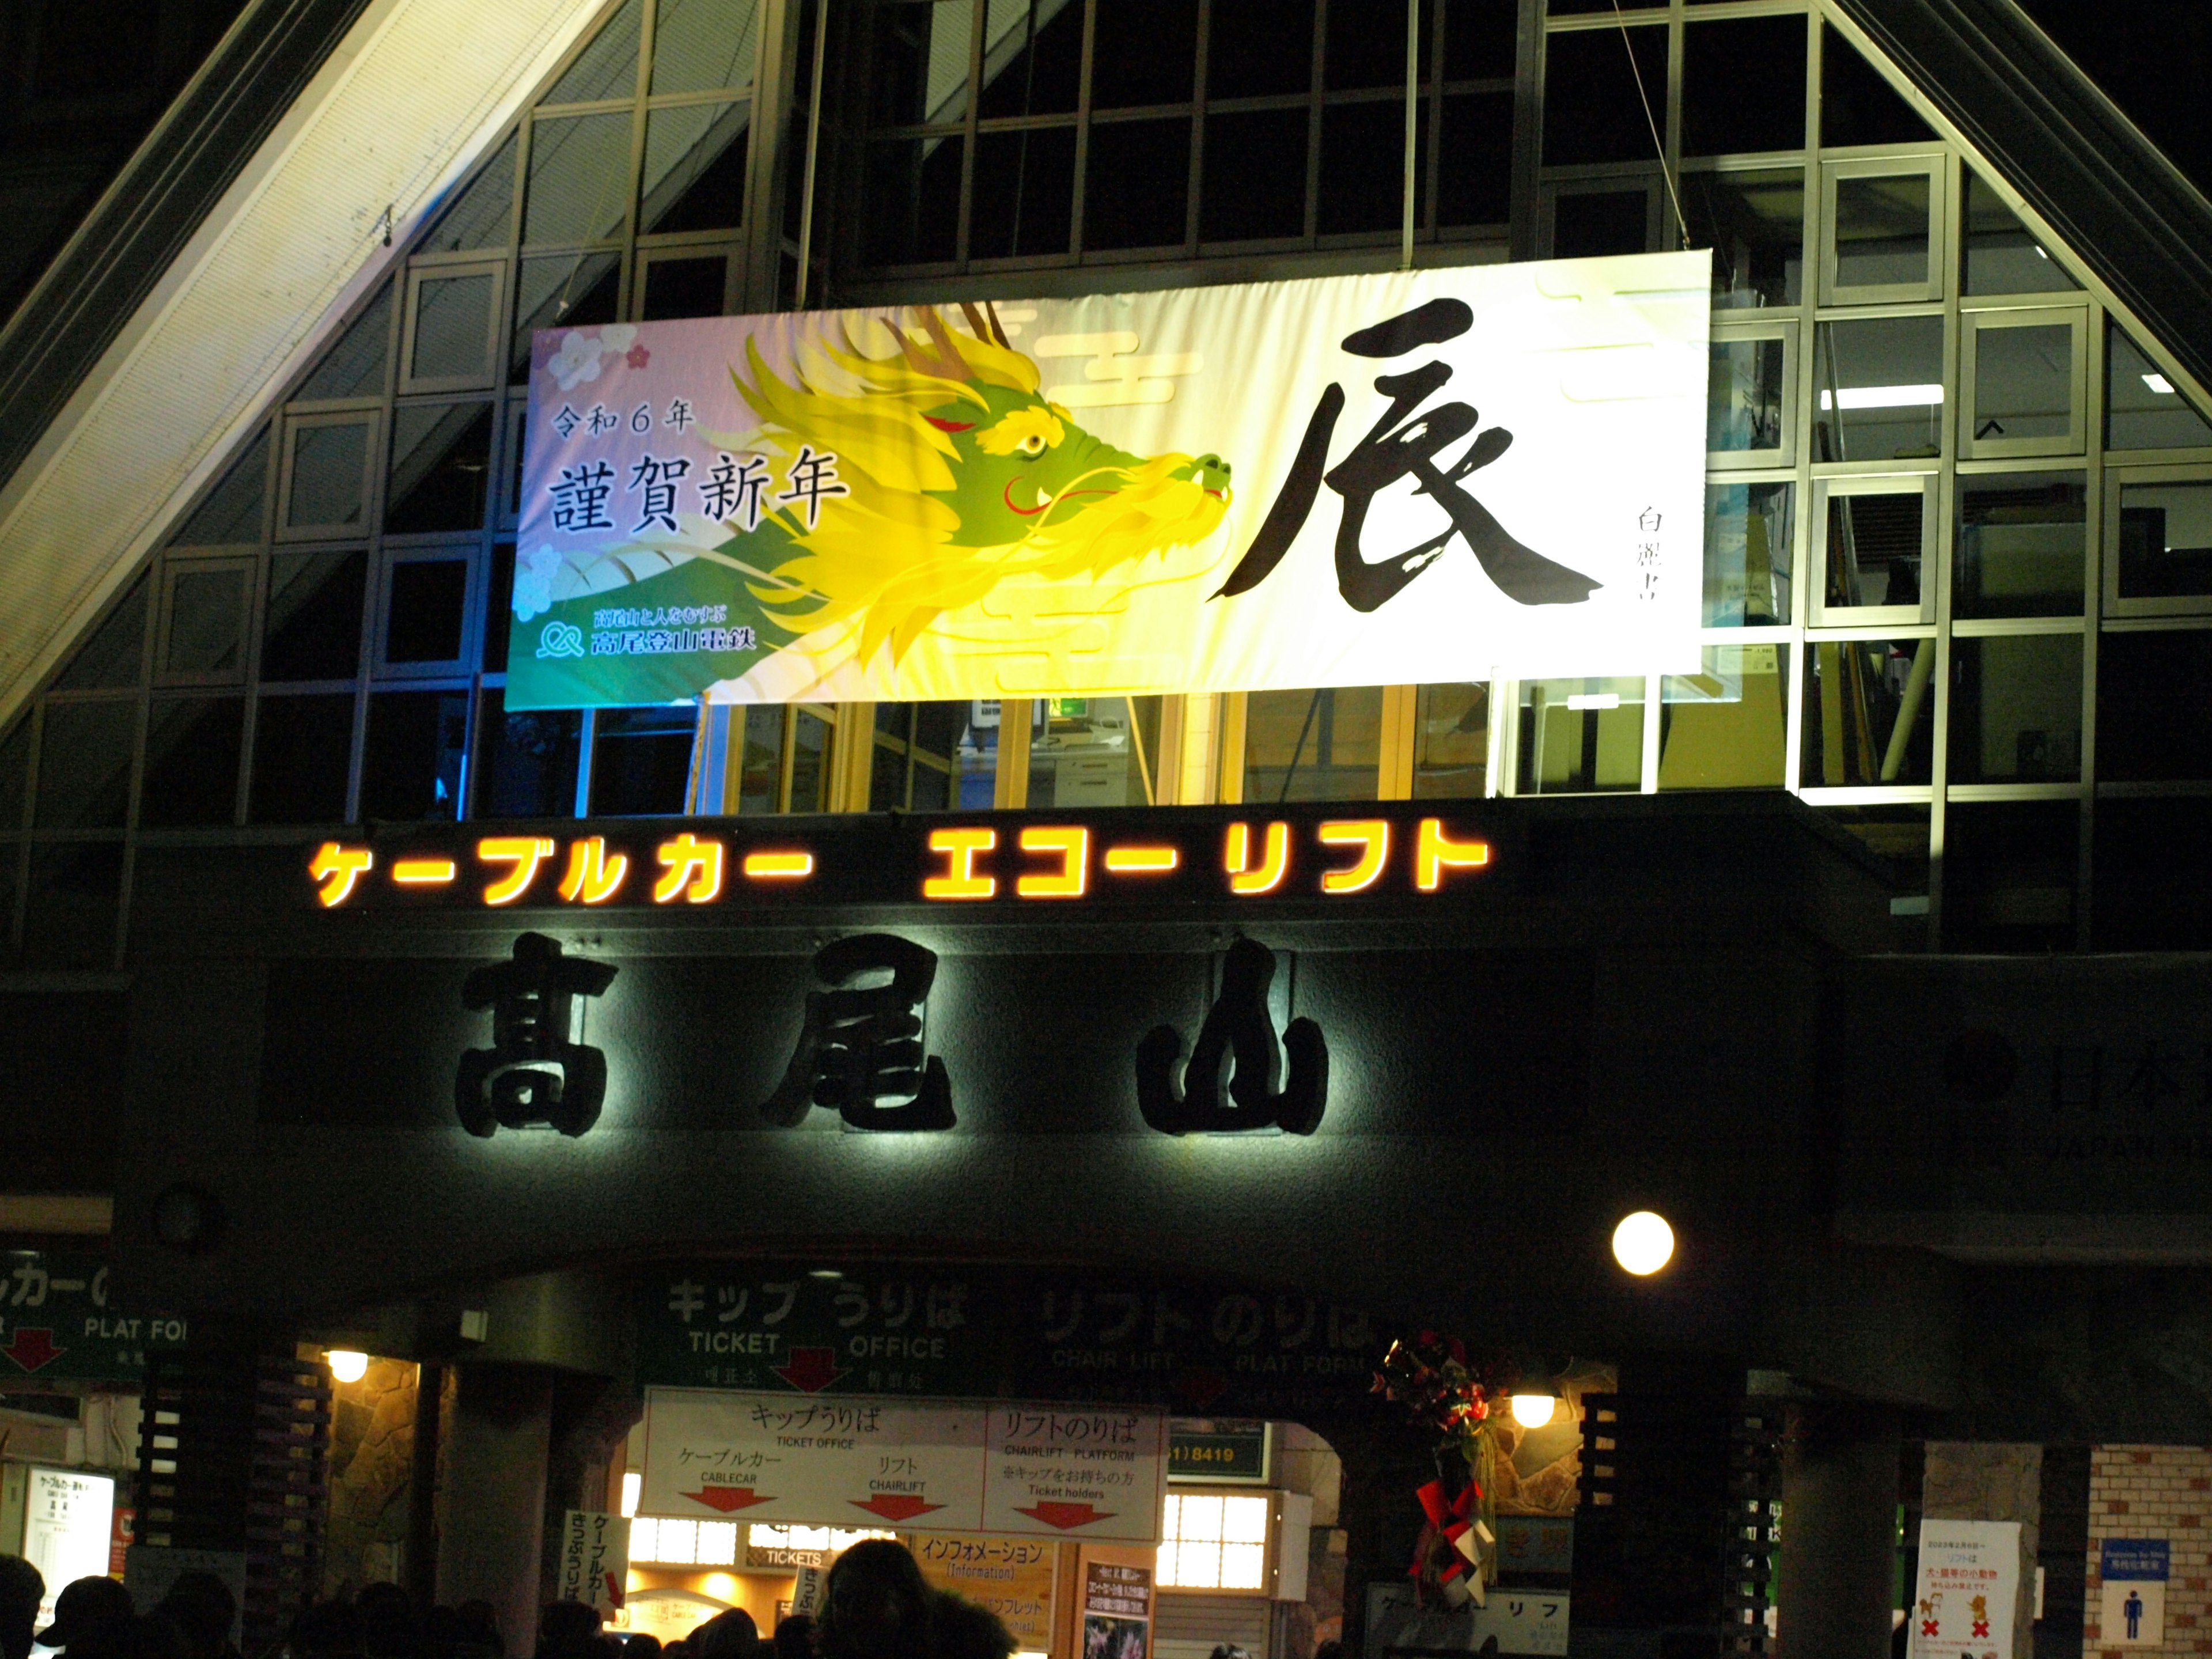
[1594,700]
[2158,383]
[1643,1243]
[1883,396]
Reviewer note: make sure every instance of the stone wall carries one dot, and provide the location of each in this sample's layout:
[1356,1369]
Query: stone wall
[372,1461]
[2156,1492]
[1972,1480]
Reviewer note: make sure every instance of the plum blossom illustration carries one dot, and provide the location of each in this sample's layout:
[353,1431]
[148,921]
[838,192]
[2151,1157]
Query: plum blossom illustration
[533,579]
[576,361]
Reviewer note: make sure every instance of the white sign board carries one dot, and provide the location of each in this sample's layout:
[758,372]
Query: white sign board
[67,1518]
[2131,1602]
[1969,1583]
[595,1559]
[928,1467]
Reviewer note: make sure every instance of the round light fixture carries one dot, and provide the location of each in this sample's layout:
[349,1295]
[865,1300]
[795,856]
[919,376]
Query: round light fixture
[348,1364]
[1643,1243]
[1533,1411]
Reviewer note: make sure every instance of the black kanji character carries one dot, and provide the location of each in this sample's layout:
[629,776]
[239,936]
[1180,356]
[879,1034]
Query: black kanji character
[658,479]
[532,1073]
[730,491]
[862,1046]
[813,476]
[1238,1025]
[580,499]
[1404,442]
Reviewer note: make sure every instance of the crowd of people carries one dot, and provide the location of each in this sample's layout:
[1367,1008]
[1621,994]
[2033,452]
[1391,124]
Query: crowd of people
[875,1605]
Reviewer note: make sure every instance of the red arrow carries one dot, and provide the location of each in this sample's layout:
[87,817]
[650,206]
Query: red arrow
[32,1347]
[726,1499]
[811,1370]
[1065,1515]
[896,1506]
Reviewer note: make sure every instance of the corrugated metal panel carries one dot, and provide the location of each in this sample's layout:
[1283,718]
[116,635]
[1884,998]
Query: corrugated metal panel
[1192,1626]
[408,100]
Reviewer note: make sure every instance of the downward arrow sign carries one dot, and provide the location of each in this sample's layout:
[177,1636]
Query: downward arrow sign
[896,1506]
[811,1370]
[1065,1515]
[32,1347]
[728,1499]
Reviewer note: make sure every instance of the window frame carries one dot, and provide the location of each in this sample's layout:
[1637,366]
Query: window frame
[2117,479]
[469,554]
[1972,322]
[1649,179]
[689,245]
[1918,159]
[1868,619]
[175,565]
[1786,329]
[448,267]
[314,417]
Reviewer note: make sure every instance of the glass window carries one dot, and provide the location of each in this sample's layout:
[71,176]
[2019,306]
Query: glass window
[329,487]
[232,513]
[483,217]
[692,287]
[1594,110]
[115,654]
[1754,223]
[1365,48]
[1581,736]
[607,66]
[1258,47]
[701,45]
[352,366]
[1363,167]
[1025,193]
[576,290]
[1748,555]
[1094,752]
[1255,175]
[1136,190]
[2024,382]
[15,779]
[2002,258]
[1728,726]
[70,912]
[1325,744]
[525,765]
[427,608]
[2022,538]
[2016,709]
[453,341]
[302,752]
[192,749]
[1882,231]
[910,198]
[1746,396]
[918,62]
[1881,380]
[1475,171]
[205,635]
[2151,872]
[1857,105]
[312,627]
[935,757]
[1480,40]
[2165,540]
[1869,712]
[1042,48]
[641,760]
[1451,741]
[411,759]
[782,759]
[499,607]
[1875,544]
[440,467]
[2009,872]
[84,764]
[579,178]
[1588,224]
[695,168]
[1743,85]
[2144,410]
[2153,725]
[1146,51]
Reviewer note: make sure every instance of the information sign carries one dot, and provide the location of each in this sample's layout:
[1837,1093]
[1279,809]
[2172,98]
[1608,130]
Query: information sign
[1969,1584]
[595,1559]
[1016,1578]
[2132,1599]
[58,1322]
[1117,1609]
[1230,1453]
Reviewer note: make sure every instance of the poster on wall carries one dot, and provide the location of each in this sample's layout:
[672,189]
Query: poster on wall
[1117,1609]
[595,1559]
[1413,475]
[1016,1578]
[67,1521]
[2132,1600]
[1969,1582]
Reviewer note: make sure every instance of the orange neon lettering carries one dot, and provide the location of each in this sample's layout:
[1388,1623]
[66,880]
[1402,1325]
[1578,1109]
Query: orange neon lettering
[1140,861]
[958,879]
[592,878]
[1372,837]
[423,872]
[1434,853]
[1274,864]
[336,869]
[522,854]
[694,867]
[1073,845]
[778,866]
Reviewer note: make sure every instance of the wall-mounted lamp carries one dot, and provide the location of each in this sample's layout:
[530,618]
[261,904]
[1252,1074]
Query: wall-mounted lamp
[348,1364]
[1533,1411]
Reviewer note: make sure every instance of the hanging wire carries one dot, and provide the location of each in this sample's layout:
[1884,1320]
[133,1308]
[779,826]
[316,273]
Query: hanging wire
[1658,145]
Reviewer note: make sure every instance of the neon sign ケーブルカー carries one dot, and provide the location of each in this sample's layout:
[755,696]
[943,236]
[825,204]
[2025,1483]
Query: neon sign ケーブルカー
[1258,857]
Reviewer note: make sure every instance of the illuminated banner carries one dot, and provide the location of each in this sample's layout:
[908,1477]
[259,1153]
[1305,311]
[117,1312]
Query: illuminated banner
[1413,477]
[1234,855]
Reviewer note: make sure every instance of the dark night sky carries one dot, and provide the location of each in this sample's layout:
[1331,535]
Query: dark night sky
[2150,58]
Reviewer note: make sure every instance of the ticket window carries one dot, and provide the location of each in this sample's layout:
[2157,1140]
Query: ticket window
[1250,1542]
